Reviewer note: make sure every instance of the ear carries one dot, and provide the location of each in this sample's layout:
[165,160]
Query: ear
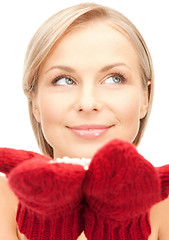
[145,101]
[36,111]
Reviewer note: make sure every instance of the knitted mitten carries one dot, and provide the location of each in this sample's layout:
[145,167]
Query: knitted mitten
[50,196]
[120,188]
[10,158]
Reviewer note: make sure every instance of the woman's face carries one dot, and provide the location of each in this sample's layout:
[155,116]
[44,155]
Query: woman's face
[90,91]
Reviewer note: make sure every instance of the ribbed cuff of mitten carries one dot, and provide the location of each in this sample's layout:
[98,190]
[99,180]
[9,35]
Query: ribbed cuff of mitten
[98,227]
[53,227]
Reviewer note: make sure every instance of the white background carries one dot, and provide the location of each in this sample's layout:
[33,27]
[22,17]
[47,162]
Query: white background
[19,19]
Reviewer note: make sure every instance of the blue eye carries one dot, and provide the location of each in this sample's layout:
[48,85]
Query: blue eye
[63,80]
[116,79]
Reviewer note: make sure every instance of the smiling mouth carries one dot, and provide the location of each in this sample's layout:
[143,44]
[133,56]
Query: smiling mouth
[89,131]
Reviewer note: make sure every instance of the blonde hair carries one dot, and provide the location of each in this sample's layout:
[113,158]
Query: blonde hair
[60,24]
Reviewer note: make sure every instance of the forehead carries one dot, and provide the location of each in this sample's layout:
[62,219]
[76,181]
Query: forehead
[95,42]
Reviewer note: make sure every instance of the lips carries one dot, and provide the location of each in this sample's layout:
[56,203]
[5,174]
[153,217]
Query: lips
[89,131]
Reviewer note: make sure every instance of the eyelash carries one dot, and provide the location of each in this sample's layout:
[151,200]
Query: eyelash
[54,81]
[121,76]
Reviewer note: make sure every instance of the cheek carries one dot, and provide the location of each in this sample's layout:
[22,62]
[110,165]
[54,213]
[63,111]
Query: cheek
[127,110]
[126,103]
[52,109]
[50,114]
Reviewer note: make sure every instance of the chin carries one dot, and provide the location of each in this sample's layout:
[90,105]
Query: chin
[87,151]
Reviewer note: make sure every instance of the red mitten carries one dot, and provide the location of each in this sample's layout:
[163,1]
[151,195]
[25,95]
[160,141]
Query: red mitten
[50,198]
[10,158]
[120,188]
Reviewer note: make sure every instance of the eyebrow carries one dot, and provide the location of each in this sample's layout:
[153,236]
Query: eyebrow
[72,70]
[108,67]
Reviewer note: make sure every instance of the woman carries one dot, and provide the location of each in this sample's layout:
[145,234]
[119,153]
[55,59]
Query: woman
[88,78]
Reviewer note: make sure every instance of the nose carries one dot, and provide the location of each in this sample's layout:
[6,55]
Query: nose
[88,100]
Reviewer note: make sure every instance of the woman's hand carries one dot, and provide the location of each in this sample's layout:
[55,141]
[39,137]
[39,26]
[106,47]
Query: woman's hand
[120,189]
